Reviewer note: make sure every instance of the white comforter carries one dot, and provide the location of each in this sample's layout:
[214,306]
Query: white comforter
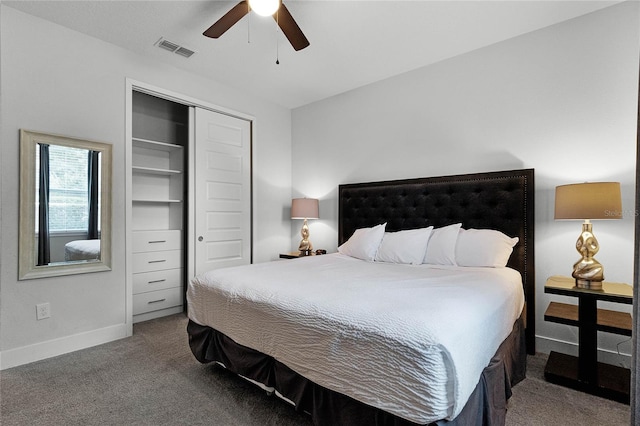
[411,340]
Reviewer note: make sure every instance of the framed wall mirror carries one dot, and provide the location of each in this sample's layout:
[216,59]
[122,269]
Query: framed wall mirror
[65,206]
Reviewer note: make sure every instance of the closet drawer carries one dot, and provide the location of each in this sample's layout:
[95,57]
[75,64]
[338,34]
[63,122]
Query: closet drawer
[157,280]
[157,261]
[157,240]
[156,300]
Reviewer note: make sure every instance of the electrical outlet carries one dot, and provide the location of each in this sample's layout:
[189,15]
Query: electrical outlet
[43,310]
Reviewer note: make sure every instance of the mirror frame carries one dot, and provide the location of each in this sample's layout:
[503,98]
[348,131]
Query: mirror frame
[27,268]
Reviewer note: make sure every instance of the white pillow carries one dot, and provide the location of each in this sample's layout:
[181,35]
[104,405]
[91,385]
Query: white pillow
[441,249]
[404,246]
[364,243]
[484,247]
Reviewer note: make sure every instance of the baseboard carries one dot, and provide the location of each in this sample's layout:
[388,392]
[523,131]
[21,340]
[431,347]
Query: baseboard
[39,351]
[157,314]
[547,344]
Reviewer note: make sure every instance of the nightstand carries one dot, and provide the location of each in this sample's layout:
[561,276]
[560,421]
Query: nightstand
[294,255]
[585,373]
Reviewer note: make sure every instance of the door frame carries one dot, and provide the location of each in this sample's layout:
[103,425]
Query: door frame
[135,85]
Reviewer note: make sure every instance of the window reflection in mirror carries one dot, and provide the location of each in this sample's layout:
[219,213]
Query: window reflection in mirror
[73,219]
[65,205]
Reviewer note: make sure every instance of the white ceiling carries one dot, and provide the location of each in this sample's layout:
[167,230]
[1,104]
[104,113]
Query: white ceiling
[353,43]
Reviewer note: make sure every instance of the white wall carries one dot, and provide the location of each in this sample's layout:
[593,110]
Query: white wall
[60,81]
[561,100]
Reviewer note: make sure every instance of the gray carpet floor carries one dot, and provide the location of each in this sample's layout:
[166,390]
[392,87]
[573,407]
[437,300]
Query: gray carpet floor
[153,379]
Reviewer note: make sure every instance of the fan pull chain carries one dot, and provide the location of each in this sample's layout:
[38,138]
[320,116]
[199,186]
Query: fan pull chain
[249,24]
[277,44]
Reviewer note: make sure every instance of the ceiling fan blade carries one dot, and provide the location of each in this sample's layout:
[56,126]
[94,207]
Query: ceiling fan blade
[290,28]
[228,20]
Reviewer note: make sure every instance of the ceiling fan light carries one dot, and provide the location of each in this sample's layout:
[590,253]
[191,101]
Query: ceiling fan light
[264,7]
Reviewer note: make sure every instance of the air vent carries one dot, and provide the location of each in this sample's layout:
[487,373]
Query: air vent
[166,44]
[174,47]
[183,51]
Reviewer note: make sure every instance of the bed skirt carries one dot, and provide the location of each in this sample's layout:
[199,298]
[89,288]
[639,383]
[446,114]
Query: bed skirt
[487,405]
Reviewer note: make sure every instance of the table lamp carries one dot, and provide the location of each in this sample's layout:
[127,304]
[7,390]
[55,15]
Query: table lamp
[304,208]
[587,201]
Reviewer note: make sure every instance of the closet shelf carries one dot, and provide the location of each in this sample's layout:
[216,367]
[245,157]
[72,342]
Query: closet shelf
[155,171]
[151,201]
[149,144]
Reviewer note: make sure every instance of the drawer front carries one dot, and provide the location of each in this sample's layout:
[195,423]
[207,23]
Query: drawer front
[157,261]
[156,240]
[157,280]
[156,300]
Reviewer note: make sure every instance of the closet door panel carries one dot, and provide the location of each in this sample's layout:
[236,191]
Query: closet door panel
[223,191]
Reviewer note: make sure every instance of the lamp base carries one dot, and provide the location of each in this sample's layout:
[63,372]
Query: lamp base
[589,285]
[588,272]
[305,244]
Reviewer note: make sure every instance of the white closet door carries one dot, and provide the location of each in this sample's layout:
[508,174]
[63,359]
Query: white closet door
[222,191]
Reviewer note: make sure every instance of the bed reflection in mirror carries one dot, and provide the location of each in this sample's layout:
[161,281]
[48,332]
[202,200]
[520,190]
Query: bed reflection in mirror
[65,202]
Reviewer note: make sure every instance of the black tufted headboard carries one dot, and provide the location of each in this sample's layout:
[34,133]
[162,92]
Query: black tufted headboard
[495,200]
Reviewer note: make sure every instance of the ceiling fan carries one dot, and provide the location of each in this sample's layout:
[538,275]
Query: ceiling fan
[265,8]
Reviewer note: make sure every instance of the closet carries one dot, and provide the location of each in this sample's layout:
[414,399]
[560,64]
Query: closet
[190,198]
[160,136]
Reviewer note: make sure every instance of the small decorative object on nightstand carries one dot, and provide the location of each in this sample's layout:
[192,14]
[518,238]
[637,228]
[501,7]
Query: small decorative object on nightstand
[596,200]
[297,254]
[584,372]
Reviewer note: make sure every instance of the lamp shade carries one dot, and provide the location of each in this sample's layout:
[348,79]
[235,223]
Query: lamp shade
[594,200]
[304,208]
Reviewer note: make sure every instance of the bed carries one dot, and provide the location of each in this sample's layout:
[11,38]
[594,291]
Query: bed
[363,342]
[82,250]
